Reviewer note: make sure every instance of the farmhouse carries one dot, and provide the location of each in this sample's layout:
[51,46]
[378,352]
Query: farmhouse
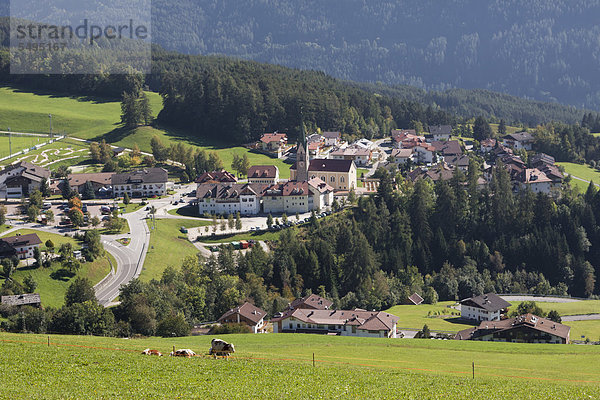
[447,148]
[485,307]
[337,322]
[247,314]
[488,145]
[526,328]
[141,183]
[20,179]
[221,176]
[332,138]
[273,143]
[359,155]
[23,244]
[311,302]
[264,174]
[27,299]
[535,180]
[402,156]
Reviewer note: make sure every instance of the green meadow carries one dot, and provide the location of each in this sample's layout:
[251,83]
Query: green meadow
[281,366]
[54,281]
[581,171]
[168,246]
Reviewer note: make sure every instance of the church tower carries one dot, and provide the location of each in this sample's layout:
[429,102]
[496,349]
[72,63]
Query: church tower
[302,160]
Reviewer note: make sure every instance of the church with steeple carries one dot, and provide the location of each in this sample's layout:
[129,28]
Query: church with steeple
[302,160]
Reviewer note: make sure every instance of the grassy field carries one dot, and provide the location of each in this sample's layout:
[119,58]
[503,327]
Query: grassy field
[280,366]
[439,317]
[168,246]
[582,171]
[53,282]
[66,151]
[17,143]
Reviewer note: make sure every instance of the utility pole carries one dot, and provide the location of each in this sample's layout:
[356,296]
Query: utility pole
[9,144]
[50,116]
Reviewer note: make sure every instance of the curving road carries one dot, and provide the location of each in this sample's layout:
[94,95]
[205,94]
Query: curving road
[130,258]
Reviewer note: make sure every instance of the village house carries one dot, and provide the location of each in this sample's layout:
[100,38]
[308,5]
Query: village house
[519,140]
[526,328]
[321,193]
[402,156]
[424,154]
[141,183]
[26,299]
[263,174]
[101,182]
[488,145]
[439,172]
[229,198]
[339,174]
[534,180]
[221,176]
[360,156]
[460,161]
[311,302]
[406,139]
[336,322]
[447,148]
[541,159]
[247,314]
[289,197]
[441,132]
[23,245]
[485,307]
[274,143]
[332,138]
[19,179]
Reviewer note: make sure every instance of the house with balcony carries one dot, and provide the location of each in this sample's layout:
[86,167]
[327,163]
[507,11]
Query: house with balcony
[145,182]
[485,307]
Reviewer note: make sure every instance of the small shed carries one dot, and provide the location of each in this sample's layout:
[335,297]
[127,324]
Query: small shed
[415,299]
[26,299]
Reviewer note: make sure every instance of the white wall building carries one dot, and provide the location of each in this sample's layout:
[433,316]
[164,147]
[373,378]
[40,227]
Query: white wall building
[229,198]
[485,307]
[145,182]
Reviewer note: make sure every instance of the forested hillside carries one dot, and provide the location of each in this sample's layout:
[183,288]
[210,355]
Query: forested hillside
[543,49]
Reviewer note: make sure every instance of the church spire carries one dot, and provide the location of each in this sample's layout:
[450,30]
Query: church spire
[302,158]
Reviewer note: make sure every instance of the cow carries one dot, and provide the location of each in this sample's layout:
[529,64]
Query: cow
[220,347]
[182,353]
[150,352]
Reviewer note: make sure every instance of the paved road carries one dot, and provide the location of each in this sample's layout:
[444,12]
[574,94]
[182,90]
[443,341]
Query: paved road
[130,259]
[584,317]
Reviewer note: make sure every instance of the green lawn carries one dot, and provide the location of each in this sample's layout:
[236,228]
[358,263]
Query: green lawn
[185,211]
[52,284]
[280,366]
[66,151]
[582,171]
[168,246]
[243,236]
[437,317]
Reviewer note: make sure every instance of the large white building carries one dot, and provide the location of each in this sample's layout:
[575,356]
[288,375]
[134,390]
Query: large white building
[338,322]
[145,182]
[485,307]
[23,245]
[229,198]
[19,179]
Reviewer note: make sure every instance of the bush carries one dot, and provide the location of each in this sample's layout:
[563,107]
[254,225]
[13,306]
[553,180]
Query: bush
[225,329]
[172,326]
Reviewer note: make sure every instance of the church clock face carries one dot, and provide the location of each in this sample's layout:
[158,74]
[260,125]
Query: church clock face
[301,164]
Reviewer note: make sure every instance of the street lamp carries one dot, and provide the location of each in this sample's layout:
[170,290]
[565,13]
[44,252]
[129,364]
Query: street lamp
[50,116]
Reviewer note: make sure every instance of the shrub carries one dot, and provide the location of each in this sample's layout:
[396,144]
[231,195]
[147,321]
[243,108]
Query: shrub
[225,329]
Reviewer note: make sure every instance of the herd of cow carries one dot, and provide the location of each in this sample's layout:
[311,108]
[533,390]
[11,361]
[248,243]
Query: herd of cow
[218,347]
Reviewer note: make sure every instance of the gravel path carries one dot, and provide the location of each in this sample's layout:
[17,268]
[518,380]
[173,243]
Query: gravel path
[540,299]
[586,317]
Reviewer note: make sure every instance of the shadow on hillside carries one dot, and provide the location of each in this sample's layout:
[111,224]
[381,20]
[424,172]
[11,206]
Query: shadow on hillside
[56,95]
[115,135]
[62,275]
[461,321]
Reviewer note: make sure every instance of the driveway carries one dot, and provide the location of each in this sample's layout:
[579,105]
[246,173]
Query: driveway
[540,299]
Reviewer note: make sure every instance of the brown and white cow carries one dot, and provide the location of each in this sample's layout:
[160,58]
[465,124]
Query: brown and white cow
[150,352]
[182,353]
[220,347]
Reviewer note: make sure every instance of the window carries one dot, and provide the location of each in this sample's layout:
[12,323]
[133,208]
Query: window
[324,179]
[342,179]
[332,179]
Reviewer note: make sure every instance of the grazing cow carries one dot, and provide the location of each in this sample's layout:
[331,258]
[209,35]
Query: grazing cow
[150,352]
[182,353]
[220,347]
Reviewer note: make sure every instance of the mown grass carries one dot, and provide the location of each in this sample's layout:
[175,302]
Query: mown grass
[54,160]
[53,282]
[168,246]
[582,171]
[280,366]
[437,317]
[17,143]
